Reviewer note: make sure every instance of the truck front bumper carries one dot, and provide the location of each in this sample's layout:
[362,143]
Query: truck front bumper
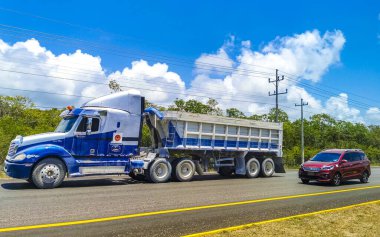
[17,170]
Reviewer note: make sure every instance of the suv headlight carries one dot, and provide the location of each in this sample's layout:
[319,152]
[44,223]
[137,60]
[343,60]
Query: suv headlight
[19,157]
[328,167]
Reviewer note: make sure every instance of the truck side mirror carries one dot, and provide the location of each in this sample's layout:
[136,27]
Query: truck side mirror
[343,161]
[88,126]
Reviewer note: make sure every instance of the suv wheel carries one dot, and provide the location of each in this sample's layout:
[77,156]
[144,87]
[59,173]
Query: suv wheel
[337,180]
[364,178]
[305,181]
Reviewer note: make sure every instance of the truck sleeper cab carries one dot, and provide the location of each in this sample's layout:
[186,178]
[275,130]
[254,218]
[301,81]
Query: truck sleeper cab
[103,136]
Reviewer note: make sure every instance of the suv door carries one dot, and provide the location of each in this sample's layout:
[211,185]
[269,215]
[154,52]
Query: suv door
[346,168]
[358,164]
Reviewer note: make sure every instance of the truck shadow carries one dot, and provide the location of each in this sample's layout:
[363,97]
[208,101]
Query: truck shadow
[113,181]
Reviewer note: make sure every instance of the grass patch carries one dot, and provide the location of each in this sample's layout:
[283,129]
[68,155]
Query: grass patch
[357,221]
[3,175]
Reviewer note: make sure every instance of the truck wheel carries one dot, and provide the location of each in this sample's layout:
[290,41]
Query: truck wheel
[267,167]
[225,171]
[48,173]
[159,171]
[252,168]
[183,170]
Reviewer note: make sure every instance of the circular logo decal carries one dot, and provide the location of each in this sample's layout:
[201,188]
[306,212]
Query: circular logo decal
[117,137]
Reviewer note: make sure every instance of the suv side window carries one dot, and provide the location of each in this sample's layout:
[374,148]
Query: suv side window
[357,156]
[349,157]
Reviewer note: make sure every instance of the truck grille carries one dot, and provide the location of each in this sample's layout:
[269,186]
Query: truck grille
[12,149]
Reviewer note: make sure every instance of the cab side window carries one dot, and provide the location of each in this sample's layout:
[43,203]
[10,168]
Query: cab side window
[83,124]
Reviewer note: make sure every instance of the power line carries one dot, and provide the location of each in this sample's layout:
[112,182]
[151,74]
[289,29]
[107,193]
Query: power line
[208,65]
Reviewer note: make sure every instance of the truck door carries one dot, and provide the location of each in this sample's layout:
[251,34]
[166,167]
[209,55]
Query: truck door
[86,144]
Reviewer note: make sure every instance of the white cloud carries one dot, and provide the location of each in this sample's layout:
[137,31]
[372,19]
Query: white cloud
[31,57]
[308,55]
[219,63]
[338,107]
[161,85]
[235,75]
[373,115]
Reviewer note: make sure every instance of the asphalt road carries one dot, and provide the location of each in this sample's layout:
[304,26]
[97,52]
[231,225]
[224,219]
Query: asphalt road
[97,197]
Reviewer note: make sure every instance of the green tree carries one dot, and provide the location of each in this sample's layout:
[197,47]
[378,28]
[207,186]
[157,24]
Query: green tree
[235,113]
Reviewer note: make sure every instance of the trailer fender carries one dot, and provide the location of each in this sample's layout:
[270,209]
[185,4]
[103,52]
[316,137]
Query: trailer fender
[240,164]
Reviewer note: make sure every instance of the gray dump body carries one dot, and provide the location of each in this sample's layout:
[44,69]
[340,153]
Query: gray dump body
[181,130]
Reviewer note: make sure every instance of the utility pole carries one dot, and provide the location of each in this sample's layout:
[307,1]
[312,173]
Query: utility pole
[276,93]
[302,139]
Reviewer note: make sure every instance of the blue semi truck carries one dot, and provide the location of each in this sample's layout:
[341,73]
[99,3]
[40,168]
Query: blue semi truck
[103,136]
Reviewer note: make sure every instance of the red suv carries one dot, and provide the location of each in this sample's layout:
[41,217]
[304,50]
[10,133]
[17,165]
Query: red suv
[336,165]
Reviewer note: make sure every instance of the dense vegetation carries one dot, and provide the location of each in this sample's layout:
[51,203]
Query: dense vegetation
[18,116]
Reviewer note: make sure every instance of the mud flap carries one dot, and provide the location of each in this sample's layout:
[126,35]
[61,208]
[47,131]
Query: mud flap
[198,167]
[278,165]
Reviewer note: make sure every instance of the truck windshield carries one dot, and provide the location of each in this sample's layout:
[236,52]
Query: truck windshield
[326,157]
[66,124]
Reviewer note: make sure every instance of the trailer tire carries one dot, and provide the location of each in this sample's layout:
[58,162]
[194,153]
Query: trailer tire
[252,168]
[183,170]
[267,167]
[225,171]
[159,171]
[48,173]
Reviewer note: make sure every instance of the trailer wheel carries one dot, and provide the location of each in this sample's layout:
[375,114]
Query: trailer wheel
[48,173]
[183,170]
[252,168]
[159,171]
[267,167]
[225,171]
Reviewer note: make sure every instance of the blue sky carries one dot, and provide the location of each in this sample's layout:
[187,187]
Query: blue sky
[172,32]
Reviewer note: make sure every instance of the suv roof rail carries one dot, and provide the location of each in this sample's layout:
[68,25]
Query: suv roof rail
[355,149]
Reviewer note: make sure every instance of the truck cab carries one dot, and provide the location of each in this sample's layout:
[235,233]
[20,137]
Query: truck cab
[100,137]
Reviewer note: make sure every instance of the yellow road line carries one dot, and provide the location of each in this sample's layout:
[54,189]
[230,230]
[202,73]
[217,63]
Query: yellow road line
[113,218]
[239,227]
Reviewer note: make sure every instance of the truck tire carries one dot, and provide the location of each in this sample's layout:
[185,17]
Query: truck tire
[48,173]
[267,167]
[159,171]
[183,170]
[225,171]
[252,168]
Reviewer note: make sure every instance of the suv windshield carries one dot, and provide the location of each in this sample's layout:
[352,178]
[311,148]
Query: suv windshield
[66,124]
[326,157]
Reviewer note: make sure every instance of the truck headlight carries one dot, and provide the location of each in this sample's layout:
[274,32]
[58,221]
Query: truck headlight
[328,167]
[19,157]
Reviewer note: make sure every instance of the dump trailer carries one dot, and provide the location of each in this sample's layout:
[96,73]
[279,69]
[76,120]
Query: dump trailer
[103,136]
